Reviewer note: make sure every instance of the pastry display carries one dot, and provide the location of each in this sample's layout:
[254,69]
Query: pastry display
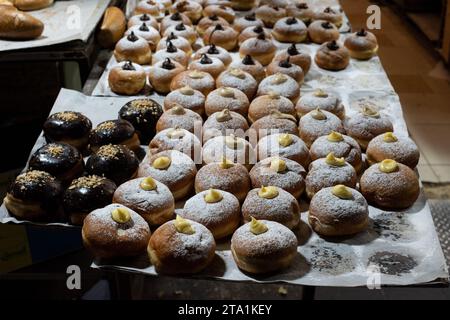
[390,185]
[68,127]
[259,48]
[338,211]
[366,125]
[284,145]
[151,199]
[287,68]
[269,14]
[127,78]
[251,66]
[273,204]
[115,231]
[195,79]
[290,29]
[318,123]
[224,175]
[173,20]
[296,56]
[214,51]
[86,194]
[238,79]
[332,56]
[174,169]
[226,98]
[341,146]
[242,5]
[35,196]
[179,117]
[224,122]
[361,45]
[181,246]
[179,42]
[222,36]
[222,11]
[18,25]
[390,146]
[300,10]
[321,31]
[191,9]
[172,53]
[112,28]
[268,104]
[328,172]
[186,97]
[146,32]
[275,122]
[115,162]
[133,48]
[217,210]
[324,100]
[281,84]
[211,65]
[118,131]
[254,32]
[182,30]
[209,21]
[331,15]
[61,160]
[176,139]
[279,172]
[247,21]
[143,114]
[162,73]
[235,149]
[141,18]
[263,246]
[149,7]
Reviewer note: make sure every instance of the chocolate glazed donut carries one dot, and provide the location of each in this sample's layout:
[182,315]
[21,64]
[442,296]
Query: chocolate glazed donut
[114,132]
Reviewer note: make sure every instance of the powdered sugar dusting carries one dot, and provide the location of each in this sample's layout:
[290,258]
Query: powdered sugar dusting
[289,88]
[347,148]
[322,175]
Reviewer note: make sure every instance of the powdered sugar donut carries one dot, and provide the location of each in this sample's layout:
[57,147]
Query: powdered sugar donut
[250,65]
[224,123]
[226,98]
[147,32]
[238,79]
[267,104]
[318,123]
[211,65]
[187,98]
[175,139]
[133,48]
[214,51]
[284,145]
[296,56]
[275,122]
[179,117]
[260,48]
[197,80]
[281,84]
[324,100]
[172,53]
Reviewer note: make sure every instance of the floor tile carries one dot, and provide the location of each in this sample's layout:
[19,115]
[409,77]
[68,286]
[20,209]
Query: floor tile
[433,141]
[409,83]
[426,108]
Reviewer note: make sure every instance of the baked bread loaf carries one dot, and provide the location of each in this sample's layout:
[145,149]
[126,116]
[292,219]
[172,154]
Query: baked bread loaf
[29,5]
[18,25]
[113,27]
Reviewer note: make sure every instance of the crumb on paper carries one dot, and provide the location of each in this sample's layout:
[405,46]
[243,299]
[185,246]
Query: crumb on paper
[282,291]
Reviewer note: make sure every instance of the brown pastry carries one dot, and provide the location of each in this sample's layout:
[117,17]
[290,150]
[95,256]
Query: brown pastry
[390,185]
[186,97]
[148,33]
[224,175]
[224,122]
[324,100]
[118,131]
[300,10]
[243,5]
[197,80]
[269,14]
[253,32]
[217,210]
[209,21]
[226,98]
[300,58]
[151,199]
[331,15]
[258,48]
[149,7]
[222,36]
[172,53]
[179,117]
[211,65]
[174,169]
[179,42]
[247,21]
[279,172]
[176,139]
[214,51]
[140,18]
[290,29]
[328,172]
[115,231]
[127,78]
[173,20]
[318,123]
[287,68]
[341,145]
[267,104]
[281,84]
[338,211]
[275,122]
[112,28]
[162,73]
[390,146]
[251,66]
[321,31]
[361,45]
[133,48]
[182,30]
[223,11]
[191,9]
[332,56]
[18,25]
[238,79]
[31,5]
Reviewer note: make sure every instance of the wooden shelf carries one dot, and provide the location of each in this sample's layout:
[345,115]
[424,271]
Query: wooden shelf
[429,23]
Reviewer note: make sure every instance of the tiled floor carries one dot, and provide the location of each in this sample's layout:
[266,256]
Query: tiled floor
[422,82]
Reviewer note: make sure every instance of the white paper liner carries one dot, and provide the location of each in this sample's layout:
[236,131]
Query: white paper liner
[59,23]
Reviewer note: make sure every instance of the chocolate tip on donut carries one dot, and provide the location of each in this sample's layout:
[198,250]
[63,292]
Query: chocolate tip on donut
[258,29]
[285,63]
[214,17]
[332,45]
[248,60]
[361,33]
[218,27]
[205,59]
[250,17]
[212,49]
[128,65]
[180,27]
[175,17]
[326,25]
[261,36]
[328,10]
[302,5]
[292,50]
[171,47]
[172,36]
[132,37]
[291,21]
[167,64]
[144,27]
[145,17]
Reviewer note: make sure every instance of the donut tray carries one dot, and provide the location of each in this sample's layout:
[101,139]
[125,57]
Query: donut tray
[403,246]
[64,21]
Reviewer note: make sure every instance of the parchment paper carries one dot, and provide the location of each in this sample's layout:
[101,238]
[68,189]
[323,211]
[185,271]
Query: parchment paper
[61,25]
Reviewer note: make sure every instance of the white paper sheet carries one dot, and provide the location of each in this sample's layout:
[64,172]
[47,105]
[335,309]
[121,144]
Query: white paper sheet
[64,21]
